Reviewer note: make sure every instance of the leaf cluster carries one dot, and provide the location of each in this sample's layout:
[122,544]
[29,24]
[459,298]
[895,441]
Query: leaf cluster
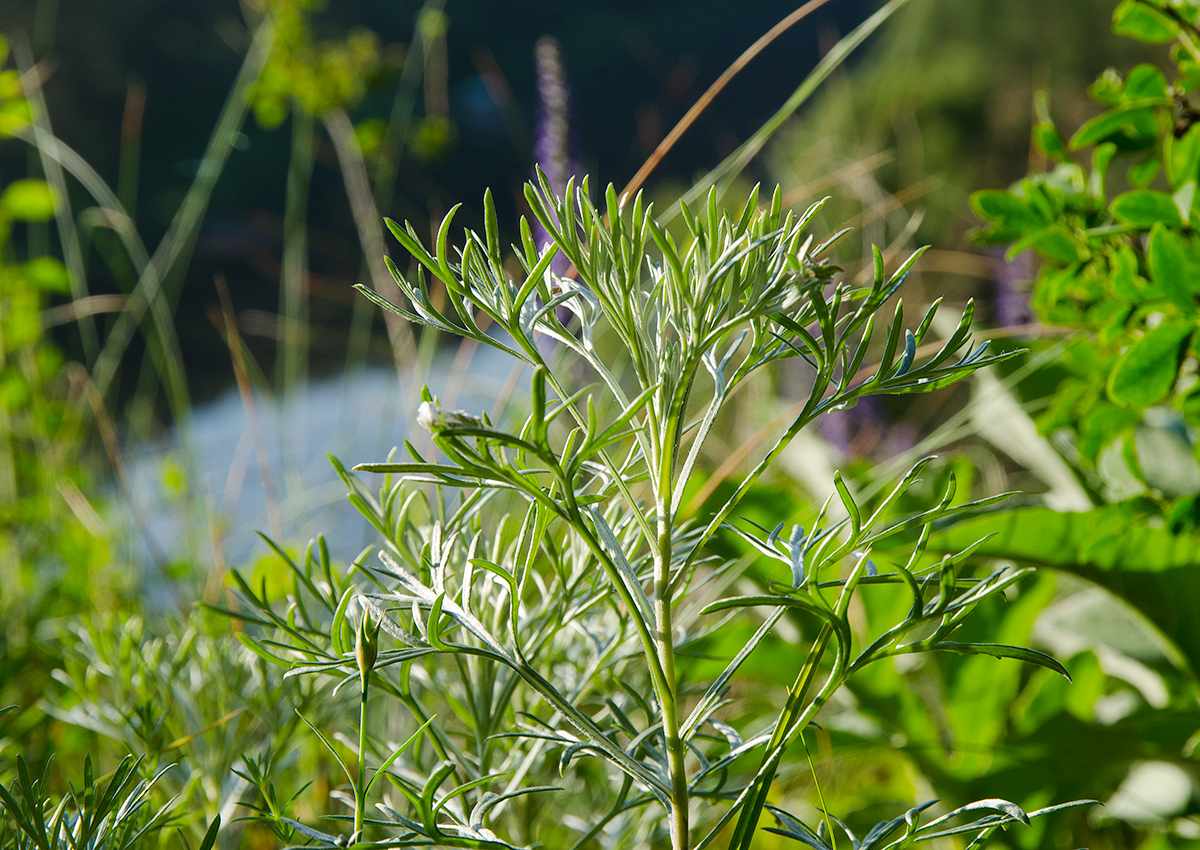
[1124,265]
[112,815]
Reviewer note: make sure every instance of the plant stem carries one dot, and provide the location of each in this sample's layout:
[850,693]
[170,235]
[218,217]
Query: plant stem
[360,787]
[663,637]
[666,659]
[784,729]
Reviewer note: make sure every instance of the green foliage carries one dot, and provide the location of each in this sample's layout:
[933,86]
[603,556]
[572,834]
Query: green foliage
[1125,265]
[1119,262]
[1153,569]
[316,75]
[550,646]
[53,555]
[535,611]
[28,200]
[116,815]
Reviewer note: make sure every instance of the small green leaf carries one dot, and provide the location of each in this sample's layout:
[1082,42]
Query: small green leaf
[210,837]
[1131,116]
[1183,156]
[1123,270]
[1050,142]
[999,650]
[382,769]
[1143,173]
[1146,373]
[28,200]
[1183,198]
[255,647]
[14,115]
[1172,269]
[1052,242]
[1145,208]
[1145,81]
[1006,208]
[1140,21]
[309,832]
[48,274]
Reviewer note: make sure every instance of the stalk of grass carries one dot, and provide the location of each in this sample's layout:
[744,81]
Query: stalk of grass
[164,271]
[737,161]
[293,361]
[64,219]
[157,273]
[237,352]
[383,177]
[131,146]
[368,223]
[705,100]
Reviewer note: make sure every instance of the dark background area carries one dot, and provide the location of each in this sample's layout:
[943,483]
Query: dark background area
[633,69]
[947,86]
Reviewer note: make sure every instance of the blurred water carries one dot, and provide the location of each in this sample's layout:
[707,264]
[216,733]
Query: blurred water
[204,500]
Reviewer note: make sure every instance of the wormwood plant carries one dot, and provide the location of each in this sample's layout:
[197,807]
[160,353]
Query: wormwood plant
[537,609]
[106,813]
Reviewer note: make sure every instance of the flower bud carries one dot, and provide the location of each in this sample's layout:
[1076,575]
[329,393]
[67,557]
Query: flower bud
[366,643]
[435,418]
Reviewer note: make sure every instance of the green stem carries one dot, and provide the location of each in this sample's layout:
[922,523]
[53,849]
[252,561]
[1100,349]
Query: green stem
[718,519]
[663,637]
[663,629]
[774,750]
[360,788]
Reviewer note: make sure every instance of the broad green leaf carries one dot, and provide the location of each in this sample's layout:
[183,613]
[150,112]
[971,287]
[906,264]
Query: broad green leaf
[28,200]
[1138,20]
[1155,571]
[1172,269]
[1166,461]
[1145,208]
[1100,423]
[1146,372]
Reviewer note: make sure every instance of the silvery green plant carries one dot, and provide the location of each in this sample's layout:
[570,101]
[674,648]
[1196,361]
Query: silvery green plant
[105,813]
[182,695]
[522,640]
